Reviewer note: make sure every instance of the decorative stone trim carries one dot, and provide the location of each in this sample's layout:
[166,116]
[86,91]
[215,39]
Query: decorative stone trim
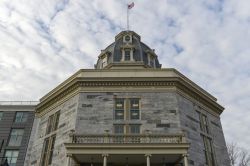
[79,84]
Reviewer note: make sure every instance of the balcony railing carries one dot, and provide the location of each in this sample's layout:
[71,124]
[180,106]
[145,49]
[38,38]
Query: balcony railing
[128,139]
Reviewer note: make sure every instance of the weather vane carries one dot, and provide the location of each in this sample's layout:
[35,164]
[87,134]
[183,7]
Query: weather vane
[129,6]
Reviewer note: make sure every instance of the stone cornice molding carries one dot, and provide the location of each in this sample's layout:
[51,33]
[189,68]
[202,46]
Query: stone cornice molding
[96,80]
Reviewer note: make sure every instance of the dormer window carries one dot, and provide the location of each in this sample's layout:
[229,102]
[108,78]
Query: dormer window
[127,54]
[151,60]
[104,60]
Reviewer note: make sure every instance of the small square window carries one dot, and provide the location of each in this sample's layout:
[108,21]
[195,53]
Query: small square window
[134,114]
[119,114]
[134,103]
[21,117]
[119,129]
[135,129]
[11,156]
[16,137]
[119,104]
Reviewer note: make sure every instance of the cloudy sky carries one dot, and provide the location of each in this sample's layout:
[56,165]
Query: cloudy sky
[42,42]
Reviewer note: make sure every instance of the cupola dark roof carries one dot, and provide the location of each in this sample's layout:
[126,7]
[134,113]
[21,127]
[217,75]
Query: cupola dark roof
[127,51]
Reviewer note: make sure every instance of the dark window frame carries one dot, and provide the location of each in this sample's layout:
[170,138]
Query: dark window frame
[48,150]
[23,118]
[12,143]
[11,157]
[1,115]
[53,122]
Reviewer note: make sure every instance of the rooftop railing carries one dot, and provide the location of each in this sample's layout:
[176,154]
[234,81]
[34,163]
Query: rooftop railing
[128,139]
[19,102]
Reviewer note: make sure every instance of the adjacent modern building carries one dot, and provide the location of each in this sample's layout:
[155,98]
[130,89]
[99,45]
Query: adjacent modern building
[16,120]
[128,110]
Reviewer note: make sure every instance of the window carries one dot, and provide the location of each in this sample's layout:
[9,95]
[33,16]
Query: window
[104,61]
[45,151]
[11,156]
[119,129]
[49,125]
[53,122]
[21,117]
[16,137]
[127,54]
[134,129]
[208,151]
[119,114]
[205,124]
[134,109]
[119,109]
[152,61]
[1,115]
[48,149]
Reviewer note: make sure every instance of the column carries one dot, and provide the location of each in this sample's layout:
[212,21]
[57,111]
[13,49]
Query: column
[185,160]
[148,159]
[105,156]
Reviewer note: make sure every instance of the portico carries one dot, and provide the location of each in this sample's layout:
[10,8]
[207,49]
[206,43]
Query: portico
[141,149]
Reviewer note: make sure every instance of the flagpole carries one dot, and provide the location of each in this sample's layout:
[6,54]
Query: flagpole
[127,18]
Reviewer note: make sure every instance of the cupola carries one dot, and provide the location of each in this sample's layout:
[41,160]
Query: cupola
[127,51]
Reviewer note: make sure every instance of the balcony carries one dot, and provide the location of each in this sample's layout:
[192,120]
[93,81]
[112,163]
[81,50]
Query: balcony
[128,139]
[127,149]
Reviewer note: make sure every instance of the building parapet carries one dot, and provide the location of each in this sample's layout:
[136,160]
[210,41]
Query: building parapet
[6,103]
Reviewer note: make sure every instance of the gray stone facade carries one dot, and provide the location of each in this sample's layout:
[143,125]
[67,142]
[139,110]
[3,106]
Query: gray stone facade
[170,105]
[165,112]
[67,122]
[190,123]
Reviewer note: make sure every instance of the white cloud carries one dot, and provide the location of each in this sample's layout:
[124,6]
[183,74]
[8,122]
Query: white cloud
[44,42]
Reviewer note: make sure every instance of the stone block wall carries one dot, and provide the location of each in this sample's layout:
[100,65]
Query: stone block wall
[190,123]
[159,112]
[67,122]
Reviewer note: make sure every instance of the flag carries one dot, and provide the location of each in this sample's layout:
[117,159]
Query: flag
[130,6]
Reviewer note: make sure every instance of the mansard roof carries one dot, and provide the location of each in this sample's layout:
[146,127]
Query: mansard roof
[140,56]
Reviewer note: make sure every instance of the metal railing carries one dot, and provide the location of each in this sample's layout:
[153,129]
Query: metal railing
[128,139]
[19,102]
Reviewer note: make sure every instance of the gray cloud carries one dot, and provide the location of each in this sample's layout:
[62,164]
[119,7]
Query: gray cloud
[44,42]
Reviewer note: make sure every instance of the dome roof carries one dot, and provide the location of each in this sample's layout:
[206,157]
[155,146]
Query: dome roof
[127,51]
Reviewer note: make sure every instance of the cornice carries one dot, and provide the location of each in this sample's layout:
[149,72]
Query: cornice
[134,84]
[120,80]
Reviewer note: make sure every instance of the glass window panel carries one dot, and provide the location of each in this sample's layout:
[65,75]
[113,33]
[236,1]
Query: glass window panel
[127,55]
[56,119]
[1,115]
[134,129]
[49,125]
[119,129]
[134,114]
[21,117]
[119,114]
[45,151]
[134,103]
[119,104]
[16,137]
[52,149]
[11,156]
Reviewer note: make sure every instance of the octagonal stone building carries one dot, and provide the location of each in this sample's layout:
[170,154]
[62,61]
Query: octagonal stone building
[128,111]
